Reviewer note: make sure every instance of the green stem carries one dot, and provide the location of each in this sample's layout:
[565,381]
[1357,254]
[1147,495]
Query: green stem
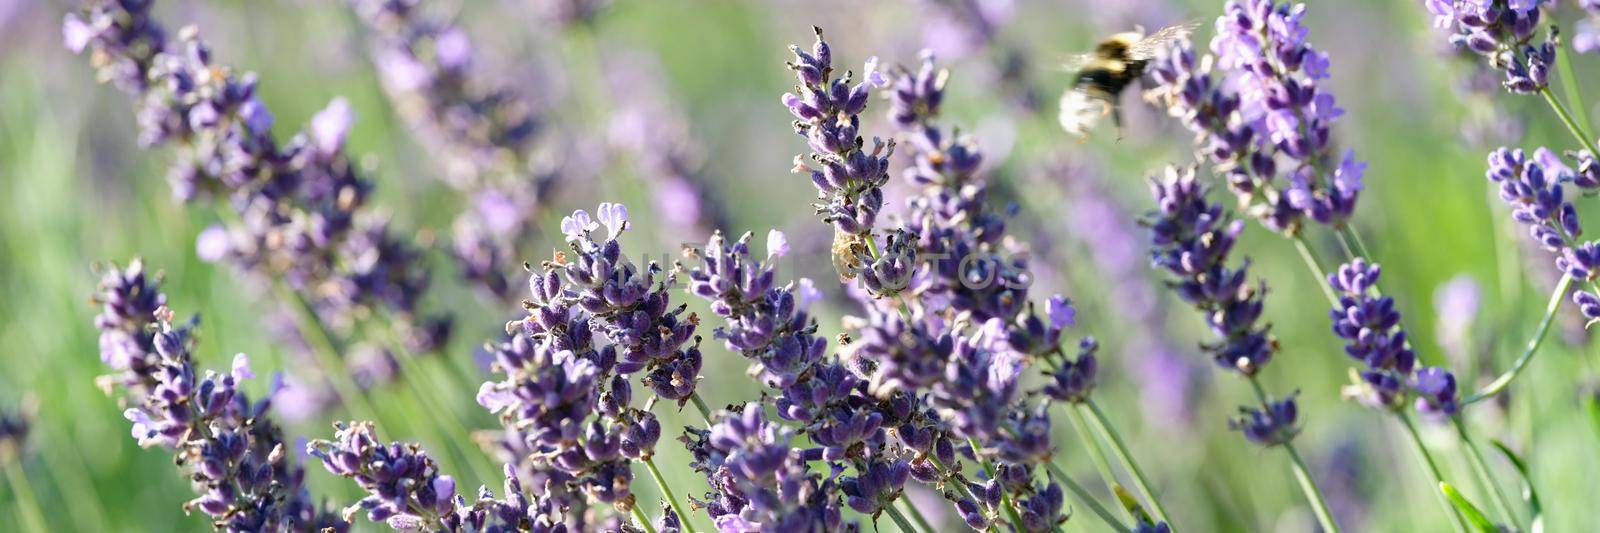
[1480,469]
[425,391]
[1361,244]
[1302,474]
[1102,423]
[1500,383]
[27,503]
[700,405]
[1433,469]
[1005,500]
[1577,130]
[899,519]
[1569,84]
[1310,259]
[1098,455]
[327,354]
[916,515]
[666,491]
[1083,495]
[643,519]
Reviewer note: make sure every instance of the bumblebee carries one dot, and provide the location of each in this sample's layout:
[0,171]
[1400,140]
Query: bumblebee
[1105,72]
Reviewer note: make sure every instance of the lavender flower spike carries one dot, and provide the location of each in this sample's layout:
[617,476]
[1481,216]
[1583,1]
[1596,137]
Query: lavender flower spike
[1370,326]
[1533,188]
[1192,239]
[827,109]
[230,447]
[1502,31]
[1263,118]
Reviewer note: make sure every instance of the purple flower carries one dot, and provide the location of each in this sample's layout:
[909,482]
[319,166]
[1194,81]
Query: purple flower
[230,447]
[1499,30]
[406,489]
[1436,392]
[759,483]
[1271,425]
[1192,239]
[1263,114]
[828,112]
[299,204]
[1074,380]
[1533,189]
[1370,326]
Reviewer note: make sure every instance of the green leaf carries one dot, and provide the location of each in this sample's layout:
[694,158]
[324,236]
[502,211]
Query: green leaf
[1529,495]
[1468,510]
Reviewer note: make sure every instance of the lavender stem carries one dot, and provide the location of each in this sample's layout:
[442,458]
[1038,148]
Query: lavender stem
[1310,258]
[700,405]
[1319,505]
[27,503]
[326,352]
[642,519]
[666,492]
[1577,130]
[1500,383]
[899,519]
[1102,423]
[916,514]
[1569,84]
[1433,469]
[1097,454]
[1480,470]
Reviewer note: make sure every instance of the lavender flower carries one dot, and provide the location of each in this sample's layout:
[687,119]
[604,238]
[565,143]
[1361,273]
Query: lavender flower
[759,483]
[1192,239]
[767,324]
[1264,114]
[407,490]
[1436,392]
[1272,424]
[1533,189]
[1371,328]
[298,204]
[1074,380]
[14,428]
[1457,303]
[129,300]
[233,451]
[1502,31]
[827,110]
[484,130]
[630,305]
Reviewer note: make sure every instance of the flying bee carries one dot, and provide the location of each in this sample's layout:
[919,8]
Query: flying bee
[1102,75]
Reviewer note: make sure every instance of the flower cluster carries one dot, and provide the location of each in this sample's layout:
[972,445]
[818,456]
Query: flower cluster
[1587,37]
[767,324]
[299,206]
[407,491]
[970,266]
[1502,31]
[483,130]
[233,452]
[631,304]
[1259,112]
[760,483]
[1192,240]
[1533,188]
[593,318]
[849,179]
[1370,326]
[129,299]
[1271,424]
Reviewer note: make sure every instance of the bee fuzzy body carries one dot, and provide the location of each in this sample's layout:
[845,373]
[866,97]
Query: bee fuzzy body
[1103,74]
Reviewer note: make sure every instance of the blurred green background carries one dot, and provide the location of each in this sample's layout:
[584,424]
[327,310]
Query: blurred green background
[76,190]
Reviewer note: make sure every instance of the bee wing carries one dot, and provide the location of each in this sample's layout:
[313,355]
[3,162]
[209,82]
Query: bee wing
[1076,62]
[1152,45]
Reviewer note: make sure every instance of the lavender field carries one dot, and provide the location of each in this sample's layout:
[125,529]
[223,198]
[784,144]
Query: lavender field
[784,266]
